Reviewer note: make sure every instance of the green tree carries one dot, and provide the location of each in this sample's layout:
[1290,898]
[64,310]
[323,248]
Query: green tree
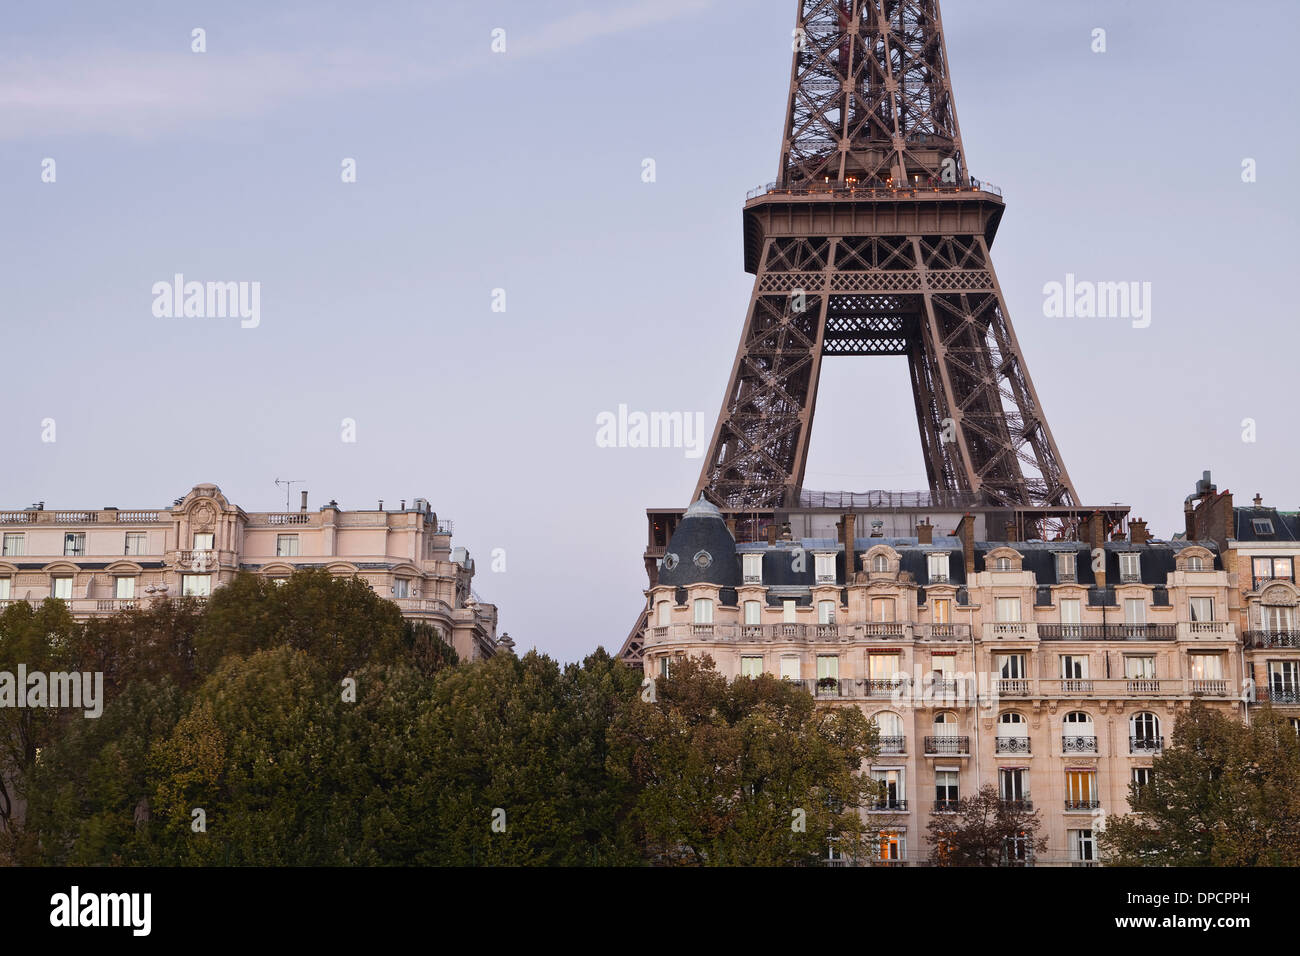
[985,830]
[749,772]
[1223,794]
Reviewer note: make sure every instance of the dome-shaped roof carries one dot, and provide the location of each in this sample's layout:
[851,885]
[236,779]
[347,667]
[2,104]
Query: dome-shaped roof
[701,551]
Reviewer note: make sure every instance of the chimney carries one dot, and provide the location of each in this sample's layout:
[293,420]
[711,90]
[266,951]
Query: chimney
[1097,541]
[1189,521]
[1137,531]
[381,504]
[1010,532]
[1259,502]
[966,531]
[771,533]
[304,501]
[849,533]
[924,532]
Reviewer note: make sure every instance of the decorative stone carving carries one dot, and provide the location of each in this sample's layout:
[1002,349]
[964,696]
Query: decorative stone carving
[203,517]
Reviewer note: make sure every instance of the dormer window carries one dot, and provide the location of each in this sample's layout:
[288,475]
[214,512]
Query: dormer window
[938,568]
[753,568]
[1195,563]
[880,564]
[1066,571]
[825,568]
[1002,564]
[1130,568]
[1262,526]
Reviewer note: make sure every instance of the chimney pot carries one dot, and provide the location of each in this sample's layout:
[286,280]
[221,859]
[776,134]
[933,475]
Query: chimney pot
[381,504]
[1259,502]
[924,532]
[304,501]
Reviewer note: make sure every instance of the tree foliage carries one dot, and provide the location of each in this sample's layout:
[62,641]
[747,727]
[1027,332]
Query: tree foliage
[985,830]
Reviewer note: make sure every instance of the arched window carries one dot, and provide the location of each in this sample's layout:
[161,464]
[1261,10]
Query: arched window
[1013,734]
[945,724]
[1002,564]
[1195,563]
[1144,733]
[891,732]
[1080,735]
[1011,721]
[880,564]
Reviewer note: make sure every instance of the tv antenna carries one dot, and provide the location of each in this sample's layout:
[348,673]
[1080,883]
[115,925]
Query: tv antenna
[288,489]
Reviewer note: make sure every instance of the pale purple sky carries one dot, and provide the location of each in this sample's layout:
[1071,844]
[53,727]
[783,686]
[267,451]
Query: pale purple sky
[522,171]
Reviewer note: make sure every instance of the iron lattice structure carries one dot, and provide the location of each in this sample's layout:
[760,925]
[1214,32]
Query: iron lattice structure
[874,240]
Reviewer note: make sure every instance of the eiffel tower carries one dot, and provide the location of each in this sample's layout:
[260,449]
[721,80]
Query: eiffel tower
[874,240]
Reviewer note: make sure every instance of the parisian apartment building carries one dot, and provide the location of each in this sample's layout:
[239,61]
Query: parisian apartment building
[106,560]
[1054,670]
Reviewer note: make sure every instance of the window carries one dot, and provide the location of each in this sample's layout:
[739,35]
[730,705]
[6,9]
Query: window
[1277,620]
[1196,563]
[1010,666]
[135,543]
[825,612]
[1284,681]
[938,567]
[893,796]
[1077,718]
[1262,526]
[1270,569]
[945,790]
[1080,789]
[1135,612]
[893,845]
[1205,666]
[61,588]
[1202,608]
[789,667]
[1008,610]
[945,724]
[1065,567]
[15,546]
[944,666]
[1002,564]
[1074,667]
[1130,567]
[1140,668]
[880,564]
[1018,848]
[1082,847]
[1013,783]
[882,609]
[788,611]
[751,666]
[4,589]
[891,727]
[824,565]
[882,666]
[1071,608]
[828,667]
[1011,724]
[286,546]
[703,611]
[279,582]
[124,588]
[196,585]
[1144,728]
[753,568]
[203,541]
[942,613]
[664,667]
[1295,725]
[74,543]
[753,612]
[664,612]
[1142,777]
[401,588]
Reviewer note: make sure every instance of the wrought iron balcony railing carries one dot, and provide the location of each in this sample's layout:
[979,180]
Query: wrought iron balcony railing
[1075,744]
[945,806]
[892,745]
[947,745]
[1107,632]
[1146,745]
[1011,745]
[1082,804]
[1018,803]
[1273,639]
[889,803]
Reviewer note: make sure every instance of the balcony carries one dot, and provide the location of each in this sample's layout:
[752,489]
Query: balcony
[945,806]
[888,804]
[944,632]
[1078,745]
[1014,687]
[1107,632]
[1011,745]
[1146,745]
[947,746]
[886,629]
[1076,685]
[882,688]
[892,745]
[1082,804]
[1013,629]
[1280,694]
[1267,639]
[1017,803]
[1208,688]
[1200,630]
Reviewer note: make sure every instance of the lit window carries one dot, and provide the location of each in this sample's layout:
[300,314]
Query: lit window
[1081,789]
[1269,569]
[942,611]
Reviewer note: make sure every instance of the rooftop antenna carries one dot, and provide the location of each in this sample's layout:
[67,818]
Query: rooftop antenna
[288,488]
